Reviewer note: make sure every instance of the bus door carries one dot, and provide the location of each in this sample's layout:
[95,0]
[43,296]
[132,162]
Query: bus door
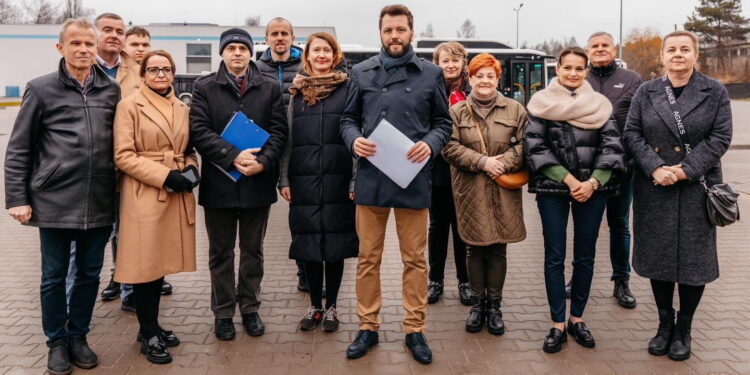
[527,78]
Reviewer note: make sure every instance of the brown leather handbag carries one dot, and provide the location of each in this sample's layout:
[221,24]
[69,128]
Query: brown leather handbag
[510,181]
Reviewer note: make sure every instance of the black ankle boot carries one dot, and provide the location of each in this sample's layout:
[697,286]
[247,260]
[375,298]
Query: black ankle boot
[679,350]
[156,351]
[659,345]
[477,316]
[495,323]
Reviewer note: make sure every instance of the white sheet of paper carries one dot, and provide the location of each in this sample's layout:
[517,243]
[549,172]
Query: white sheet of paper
[391,147]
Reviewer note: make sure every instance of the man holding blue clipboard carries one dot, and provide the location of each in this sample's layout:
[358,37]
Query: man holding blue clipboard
[238,125]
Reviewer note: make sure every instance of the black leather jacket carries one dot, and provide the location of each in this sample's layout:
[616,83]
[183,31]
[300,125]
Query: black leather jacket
[548,143]
[59,158]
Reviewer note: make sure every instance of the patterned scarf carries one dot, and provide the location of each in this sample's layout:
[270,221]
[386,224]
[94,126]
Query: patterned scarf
[315,88]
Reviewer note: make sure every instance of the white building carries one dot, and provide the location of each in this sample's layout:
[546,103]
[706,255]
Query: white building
[28,51]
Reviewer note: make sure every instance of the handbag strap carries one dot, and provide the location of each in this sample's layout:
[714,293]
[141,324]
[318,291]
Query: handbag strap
[681,132]
[481,138]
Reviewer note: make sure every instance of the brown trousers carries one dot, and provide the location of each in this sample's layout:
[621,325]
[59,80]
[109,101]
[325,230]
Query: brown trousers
[411,227]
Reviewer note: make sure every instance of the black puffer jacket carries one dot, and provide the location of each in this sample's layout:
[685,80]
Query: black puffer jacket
[60,155]
[283,71]
[580,151]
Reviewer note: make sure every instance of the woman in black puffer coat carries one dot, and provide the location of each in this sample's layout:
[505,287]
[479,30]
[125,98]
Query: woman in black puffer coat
[574,151]
[316,177]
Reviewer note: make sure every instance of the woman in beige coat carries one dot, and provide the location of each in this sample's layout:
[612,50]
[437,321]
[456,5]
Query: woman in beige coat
[486,143]
[157,207]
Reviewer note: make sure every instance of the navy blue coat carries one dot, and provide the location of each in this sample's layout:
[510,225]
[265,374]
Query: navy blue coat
[413,99]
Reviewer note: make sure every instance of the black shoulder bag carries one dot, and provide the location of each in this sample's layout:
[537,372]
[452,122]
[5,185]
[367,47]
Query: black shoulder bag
[722,203]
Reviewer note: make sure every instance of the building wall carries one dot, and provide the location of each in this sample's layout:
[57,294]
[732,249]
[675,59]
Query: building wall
[28,51]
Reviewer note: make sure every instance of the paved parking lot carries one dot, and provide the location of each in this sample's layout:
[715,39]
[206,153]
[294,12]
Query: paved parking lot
[720,340]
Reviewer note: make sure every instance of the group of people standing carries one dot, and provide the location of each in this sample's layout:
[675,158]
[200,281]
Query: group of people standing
[86,152]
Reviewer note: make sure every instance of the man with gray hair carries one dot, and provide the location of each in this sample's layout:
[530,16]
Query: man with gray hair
[618,85]
[60,177]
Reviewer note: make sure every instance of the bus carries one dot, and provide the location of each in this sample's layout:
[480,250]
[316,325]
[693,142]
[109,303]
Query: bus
[523,74]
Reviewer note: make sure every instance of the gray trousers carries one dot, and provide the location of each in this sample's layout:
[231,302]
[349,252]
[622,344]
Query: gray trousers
[221,226]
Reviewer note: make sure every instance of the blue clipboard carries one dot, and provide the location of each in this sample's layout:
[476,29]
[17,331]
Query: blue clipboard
[242,133]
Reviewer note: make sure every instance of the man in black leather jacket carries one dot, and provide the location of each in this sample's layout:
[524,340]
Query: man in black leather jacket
[60,177]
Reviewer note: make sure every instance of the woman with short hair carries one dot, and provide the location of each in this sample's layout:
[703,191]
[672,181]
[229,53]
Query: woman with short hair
[157,207]
[453,59]
[575,153]
[678,128]
[486,143]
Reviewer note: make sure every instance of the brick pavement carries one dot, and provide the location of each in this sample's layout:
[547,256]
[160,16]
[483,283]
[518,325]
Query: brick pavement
[720,344]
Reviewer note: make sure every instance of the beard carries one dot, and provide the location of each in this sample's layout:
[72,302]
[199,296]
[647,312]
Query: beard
[404,47]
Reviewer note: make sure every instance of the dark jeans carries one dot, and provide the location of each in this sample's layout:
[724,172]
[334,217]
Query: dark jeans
[443,218]
[333,272]
[221,227]
[618,217]
[147,297]
[587,218]
[59,321]
[487,266]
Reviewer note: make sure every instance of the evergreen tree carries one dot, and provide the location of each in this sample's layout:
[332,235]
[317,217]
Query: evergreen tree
[718,22]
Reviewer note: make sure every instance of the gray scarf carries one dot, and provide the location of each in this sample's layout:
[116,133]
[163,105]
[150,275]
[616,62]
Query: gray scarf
[389,62]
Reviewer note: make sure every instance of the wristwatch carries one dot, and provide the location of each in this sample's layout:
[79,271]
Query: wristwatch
[594,183]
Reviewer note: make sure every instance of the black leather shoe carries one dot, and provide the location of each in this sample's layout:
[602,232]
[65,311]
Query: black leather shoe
[156,351]
[167,337]
[224,329]
[477,316]
[434,290]
[659,345]
[80,353]
[495,324]
[253,325]
[554,340]
[419,348]
[112,291]
[128,303]
[166,289]
[464,294]
[622,293]
[568,288]
[362,343]
[679,350]
[581,334]
[58,358]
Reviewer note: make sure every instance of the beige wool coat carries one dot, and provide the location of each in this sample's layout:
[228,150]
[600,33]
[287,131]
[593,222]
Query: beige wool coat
[486,212]
[128,75]
[157,228]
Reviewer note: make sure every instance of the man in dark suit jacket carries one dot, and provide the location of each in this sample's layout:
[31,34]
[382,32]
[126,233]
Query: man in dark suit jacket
[238,85]
[410,93]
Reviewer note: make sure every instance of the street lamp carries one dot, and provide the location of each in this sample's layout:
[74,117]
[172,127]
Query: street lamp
[620,49]
[517,10]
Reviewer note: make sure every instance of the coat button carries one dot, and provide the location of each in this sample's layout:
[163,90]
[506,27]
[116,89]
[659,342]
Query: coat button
[656,150]
[385,89]
[224,150]
[408,89]
[677,149]
[407,114]
[383,113]
[242,106]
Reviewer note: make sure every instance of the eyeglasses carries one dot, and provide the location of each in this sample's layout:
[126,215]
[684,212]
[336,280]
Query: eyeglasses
[154,71]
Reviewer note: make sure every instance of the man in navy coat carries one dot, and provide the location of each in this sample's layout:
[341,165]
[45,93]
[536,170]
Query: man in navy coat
[410,94]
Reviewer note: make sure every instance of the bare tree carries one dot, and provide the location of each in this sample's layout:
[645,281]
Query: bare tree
[9,12]
[467,30]
[252,21]
[427,33]
[40,11]
[74,9]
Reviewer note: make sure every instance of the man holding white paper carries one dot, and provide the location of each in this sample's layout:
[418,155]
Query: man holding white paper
[407,92]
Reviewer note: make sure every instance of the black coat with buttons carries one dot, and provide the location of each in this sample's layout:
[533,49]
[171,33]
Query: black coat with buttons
[413,99]
[673,237]
[213,105]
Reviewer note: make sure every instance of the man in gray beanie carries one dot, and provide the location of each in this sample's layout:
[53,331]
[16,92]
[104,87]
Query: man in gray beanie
[237,86]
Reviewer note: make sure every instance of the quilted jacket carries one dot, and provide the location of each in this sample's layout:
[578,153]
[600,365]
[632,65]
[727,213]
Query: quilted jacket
[486,212]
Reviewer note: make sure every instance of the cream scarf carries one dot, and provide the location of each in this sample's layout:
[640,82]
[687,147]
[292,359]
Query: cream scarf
[583,107]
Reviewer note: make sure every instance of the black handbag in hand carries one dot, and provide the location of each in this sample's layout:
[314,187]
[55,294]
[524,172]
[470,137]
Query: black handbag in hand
[722,204]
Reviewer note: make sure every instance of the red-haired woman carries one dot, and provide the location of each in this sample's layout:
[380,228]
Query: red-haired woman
[316,172]
[486,142]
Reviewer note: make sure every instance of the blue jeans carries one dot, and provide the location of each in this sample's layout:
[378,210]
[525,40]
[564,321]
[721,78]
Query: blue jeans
[618,217]
[59,322]
[587,218]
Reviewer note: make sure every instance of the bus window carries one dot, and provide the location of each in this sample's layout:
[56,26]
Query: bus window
[535,78]
[519,82]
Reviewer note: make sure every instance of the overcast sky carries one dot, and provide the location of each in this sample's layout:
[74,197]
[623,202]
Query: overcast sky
[356,21]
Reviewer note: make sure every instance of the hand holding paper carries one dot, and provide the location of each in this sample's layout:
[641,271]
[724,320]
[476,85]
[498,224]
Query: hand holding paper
[395,151]
[419,152]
